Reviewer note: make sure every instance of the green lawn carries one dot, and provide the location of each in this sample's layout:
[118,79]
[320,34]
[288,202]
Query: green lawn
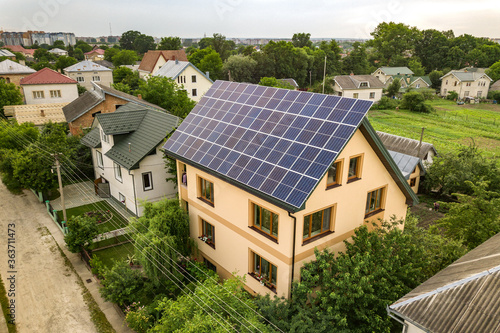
[116,222]
[450,127]
[117,253]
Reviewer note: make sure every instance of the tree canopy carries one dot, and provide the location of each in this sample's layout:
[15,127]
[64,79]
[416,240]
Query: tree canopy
[170,43]
[9,95]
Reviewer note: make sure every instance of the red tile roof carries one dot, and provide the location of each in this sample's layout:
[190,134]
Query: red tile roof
[98,51]
[47,76]
[19,48]
[151,58]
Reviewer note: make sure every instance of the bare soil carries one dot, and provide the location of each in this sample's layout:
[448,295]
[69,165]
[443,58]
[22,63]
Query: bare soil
[47,296]
[426,213]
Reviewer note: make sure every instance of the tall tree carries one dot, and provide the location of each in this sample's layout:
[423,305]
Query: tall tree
[494,71]
[357,60]
[302,39]
[127,40]
[432,47]
[65,61]
[240,68]
[392,40]
[9,95]
[144,43]
[416,67]
[170,43]
[125,57]
[211,63]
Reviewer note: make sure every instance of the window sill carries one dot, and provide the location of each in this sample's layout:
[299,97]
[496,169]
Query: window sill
[374,213]
[264,234]
[352,180]
[268,286]
[120,180]
[315,238]
[333,186]
[206,201]
[209,243]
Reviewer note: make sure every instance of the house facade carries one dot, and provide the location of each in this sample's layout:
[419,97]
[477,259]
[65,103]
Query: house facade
[86,72]
[12,72]
[261,200]
[94,55]
[127,157]
[466,83]
[81,112]
[194,81]
[385,73]
[152,61]
[358,86]
[48,86]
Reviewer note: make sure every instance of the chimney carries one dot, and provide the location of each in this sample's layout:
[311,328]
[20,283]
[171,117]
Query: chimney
[207,74]
[139,96]
[176,61]
[129,147]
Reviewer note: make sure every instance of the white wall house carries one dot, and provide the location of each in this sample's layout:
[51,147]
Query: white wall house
[358,86]
[48,86]
[86,72]
[126,154]
[466,83]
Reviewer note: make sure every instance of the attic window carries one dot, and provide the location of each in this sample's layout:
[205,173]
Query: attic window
[363,84]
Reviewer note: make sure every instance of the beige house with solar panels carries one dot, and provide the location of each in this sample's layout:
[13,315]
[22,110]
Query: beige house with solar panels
[268,175]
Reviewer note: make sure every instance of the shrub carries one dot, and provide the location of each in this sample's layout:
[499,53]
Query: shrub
[428,94]
[138,318]
[452,95]
[122,285]
[415,101]
[97,267]
[386,103]
[494,95]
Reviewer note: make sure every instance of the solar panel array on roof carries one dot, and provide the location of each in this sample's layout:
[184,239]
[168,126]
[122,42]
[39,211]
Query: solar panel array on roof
[278,142]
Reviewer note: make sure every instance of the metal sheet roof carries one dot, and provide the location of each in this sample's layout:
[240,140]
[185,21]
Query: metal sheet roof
[86,66]
[11,67]
[405,163]
[92,139]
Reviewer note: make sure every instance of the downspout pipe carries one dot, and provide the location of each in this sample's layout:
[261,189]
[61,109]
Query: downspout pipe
[293,249]
[135,196]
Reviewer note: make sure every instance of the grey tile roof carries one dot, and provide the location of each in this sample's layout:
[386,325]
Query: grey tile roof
[354,81]
[495,86]
[81,105]
[127,97]
[467,75]
[86,66]
[147,129]
[405,145]
[92,139]
[406,163]
[11,67]
[174,68]
[464,297]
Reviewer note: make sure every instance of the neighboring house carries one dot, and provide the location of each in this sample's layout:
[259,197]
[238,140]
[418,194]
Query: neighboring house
[411,81]
[411,167]
[385,73]
[358,86]
[194,81]
[495,86]
[105,63]
[94,55]
[291,82]
[268,175]
[153,60]
[58,52]
[81,112]
[28,53]
[463,297]
[49,86]
[8,54]
[12,72]
[400,144]
[86,72]
[127,157]
[467,83]
[38,114]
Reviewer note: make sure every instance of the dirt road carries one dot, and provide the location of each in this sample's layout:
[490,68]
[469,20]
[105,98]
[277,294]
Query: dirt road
[47,296]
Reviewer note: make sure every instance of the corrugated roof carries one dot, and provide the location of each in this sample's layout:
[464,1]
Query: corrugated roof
[464,297]
[92,139]
[47,76]
[150,59]
[396,70]
[6,53]
[81,105]
[406,163]
[86,66]
[405,145]
[291,82]
[354,81]
[11,67]
[151,128]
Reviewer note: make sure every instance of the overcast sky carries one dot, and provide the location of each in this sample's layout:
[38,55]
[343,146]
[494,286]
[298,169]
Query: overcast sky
[248,18]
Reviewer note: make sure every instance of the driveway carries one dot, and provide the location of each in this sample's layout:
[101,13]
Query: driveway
[47,296]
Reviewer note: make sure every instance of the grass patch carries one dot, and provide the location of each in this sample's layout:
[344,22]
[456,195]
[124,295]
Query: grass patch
[449,128]
[109,241]
[116,253]
[4,302]
[116,222]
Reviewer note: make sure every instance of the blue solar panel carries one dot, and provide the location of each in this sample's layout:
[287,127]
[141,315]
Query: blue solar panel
[278,142]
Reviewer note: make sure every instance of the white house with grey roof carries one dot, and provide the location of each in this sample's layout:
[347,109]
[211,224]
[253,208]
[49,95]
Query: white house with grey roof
[384,74]
[467,82]
[195,82]
[358,86]
[86,72]
[128,162]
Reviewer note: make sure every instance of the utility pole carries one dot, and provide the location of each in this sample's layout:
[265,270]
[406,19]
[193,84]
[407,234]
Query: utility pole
[324,76]
[420,143]
[58,167]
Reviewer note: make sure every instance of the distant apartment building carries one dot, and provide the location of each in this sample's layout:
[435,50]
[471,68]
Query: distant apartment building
[30,38]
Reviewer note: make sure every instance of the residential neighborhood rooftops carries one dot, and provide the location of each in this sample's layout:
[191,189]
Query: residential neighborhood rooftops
[406,163]
[11,67]
[98,51]
[19,48]
[405,145]
[151,58]
[6,53]
[86,66]
[47,76]
[354,81]
[410,79]
[464,297]
[173,68]
[274,143]
[396,70]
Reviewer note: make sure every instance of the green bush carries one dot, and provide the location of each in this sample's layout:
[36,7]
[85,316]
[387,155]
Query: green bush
[97,267]
[122,285]
[415,101]
[386,103]
[429,94]
[495,95]
[452,95]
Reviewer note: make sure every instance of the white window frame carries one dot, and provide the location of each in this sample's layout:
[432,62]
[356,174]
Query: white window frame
[96,78]
[372,95]
[55,94]
[105,138]
[80,79]
[38,94]
[193,78]
[194,92]
[150,177]
[118,172]
[100,162]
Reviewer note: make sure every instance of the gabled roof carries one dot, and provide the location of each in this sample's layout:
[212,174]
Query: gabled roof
[173,68]
[86,66]
[495,86]
[464,297]
[98,51]
[395,70]
[11,67]
[105,63]
[274,143]
[291,82]
[354,82]
[404,145]
[135,134]
[92,139]
[90,99]
[47,76]
[151,58]
[19,48]
[467,76]
[413,78]
[6,53]
[406,163]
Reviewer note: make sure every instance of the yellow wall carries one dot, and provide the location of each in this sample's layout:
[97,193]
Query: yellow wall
[230,215]
[416,175]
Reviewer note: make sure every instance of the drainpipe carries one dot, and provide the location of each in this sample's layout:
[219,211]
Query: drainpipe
[293,249]
[393,316]
[135,196]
